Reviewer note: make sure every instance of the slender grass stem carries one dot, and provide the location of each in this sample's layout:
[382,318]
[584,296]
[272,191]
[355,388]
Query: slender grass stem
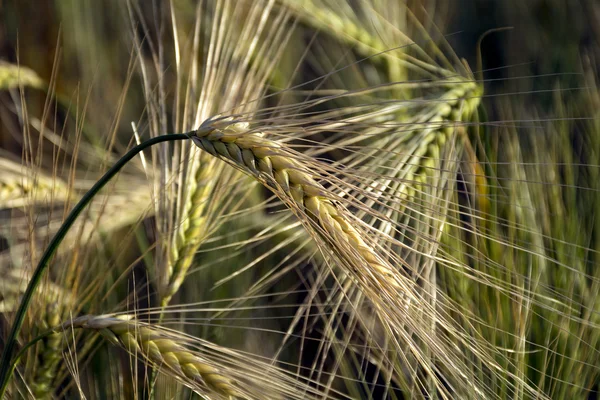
[6,361]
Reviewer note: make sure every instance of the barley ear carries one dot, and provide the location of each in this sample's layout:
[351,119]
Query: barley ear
[20,186]
[277,168]
[162,351]
[191,228]
[47,364]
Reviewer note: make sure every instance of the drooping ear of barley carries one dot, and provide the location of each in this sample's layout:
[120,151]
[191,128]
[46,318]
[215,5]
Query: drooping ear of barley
[395,296]
[161,351]
[208,369]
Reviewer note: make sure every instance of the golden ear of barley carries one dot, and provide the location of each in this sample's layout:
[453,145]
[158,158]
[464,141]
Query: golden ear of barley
[277,168]
[160,350]
[292,179]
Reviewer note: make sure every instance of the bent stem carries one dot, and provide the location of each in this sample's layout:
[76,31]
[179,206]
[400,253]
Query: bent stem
[6,361]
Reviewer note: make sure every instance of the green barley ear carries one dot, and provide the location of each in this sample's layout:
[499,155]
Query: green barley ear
[360,26]
[42,361]
[48,355]
[192,229]
[195,193]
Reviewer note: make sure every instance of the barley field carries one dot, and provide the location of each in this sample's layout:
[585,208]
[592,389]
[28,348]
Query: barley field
[300,199]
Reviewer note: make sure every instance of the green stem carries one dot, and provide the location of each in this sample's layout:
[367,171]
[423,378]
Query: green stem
[6,361]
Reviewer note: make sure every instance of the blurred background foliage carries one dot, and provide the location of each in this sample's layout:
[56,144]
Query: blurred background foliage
[94,50]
